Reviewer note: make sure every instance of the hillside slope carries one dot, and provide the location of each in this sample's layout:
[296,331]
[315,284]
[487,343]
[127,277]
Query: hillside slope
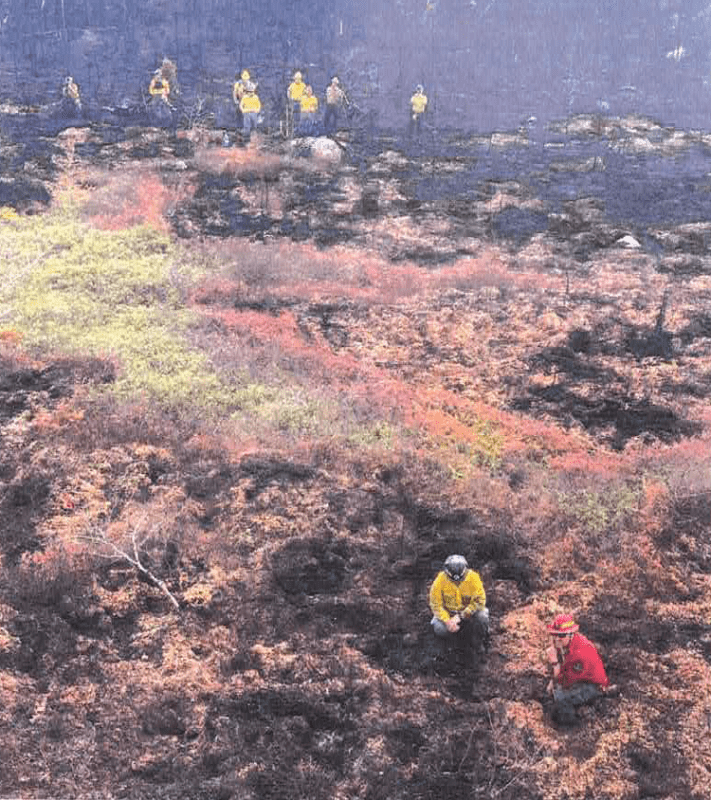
[230,468]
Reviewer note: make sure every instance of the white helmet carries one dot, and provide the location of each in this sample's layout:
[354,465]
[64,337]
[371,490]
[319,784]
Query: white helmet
[455,567]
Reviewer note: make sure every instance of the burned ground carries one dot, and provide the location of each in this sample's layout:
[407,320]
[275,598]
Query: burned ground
[299,662]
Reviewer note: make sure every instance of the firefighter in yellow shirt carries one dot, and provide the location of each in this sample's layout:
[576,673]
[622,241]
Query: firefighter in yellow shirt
[240,86]
[70,93]
[159,87]
[308,112]
[458,604]
[294,93]
[239,89]
[418,105]
[169,72]
[250,106]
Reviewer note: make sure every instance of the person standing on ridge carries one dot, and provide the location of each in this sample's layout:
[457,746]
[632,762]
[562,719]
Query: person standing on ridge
[70,93]
[250,106]
[294,93]
[169,71]
[239,89]
[309,109]
[578,672]
[418,105]
[159,87]
[458,604]
[335,98]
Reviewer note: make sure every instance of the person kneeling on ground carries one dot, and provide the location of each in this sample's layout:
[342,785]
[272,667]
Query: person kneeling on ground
[458,604]
[578,673]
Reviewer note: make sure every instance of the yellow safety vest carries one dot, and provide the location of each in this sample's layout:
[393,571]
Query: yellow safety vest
[250,103]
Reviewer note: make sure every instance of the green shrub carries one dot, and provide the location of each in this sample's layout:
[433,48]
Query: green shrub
[111,294]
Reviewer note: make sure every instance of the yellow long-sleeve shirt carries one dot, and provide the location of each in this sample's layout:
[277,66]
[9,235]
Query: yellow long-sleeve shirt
[296,90]
[71,90]
[250,103]
[419,103]
[448,598]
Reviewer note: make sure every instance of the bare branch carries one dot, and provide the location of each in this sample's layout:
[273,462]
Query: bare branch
[98,539]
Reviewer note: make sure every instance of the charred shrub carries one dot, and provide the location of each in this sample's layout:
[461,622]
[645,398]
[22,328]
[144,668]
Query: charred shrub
[164,717]
[48,577]
[311,566]
[29,492]
[405,741]
[305,782]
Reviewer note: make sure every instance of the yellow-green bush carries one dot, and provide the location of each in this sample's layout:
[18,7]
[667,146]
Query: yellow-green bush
[75,289]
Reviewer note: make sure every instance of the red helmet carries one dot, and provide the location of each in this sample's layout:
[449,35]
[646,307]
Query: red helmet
[562,625]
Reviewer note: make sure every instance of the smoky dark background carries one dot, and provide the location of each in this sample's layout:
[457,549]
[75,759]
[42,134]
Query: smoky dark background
[485,64]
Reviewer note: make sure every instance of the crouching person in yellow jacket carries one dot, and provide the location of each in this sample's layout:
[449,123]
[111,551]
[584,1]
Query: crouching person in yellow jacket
[250,106]
[458,604]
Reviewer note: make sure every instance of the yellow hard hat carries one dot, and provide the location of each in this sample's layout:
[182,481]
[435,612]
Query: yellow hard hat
[245,75]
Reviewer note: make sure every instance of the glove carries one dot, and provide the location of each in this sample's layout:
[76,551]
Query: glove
[453,623]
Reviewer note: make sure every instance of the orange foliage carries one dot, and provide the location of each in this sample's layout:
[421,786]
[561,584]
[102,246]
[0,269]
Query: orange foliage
[116,201]
[44,576]
[593,463]
[48,420]
[437,412]
[282,331]
[302,271]
[10,336]
[654,504]
[237,160]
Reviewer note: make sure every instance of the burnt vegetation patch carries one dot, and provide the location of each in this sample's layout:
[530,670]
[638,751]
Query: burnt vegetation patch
[658,773]
[267,471]
[617,418]
[570,360]
[311,566]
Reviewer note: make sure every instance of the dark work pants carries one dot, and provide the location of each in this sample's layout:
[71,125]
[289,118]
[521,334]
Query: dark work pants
[330,118]
[567,700]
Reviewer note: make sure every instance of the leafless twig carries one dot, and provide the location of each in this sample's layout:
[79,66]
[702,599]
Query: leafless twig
[131,554]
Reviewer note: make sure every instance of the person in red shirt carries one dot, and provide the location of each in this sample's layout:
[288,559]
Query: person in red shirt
[578,673]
